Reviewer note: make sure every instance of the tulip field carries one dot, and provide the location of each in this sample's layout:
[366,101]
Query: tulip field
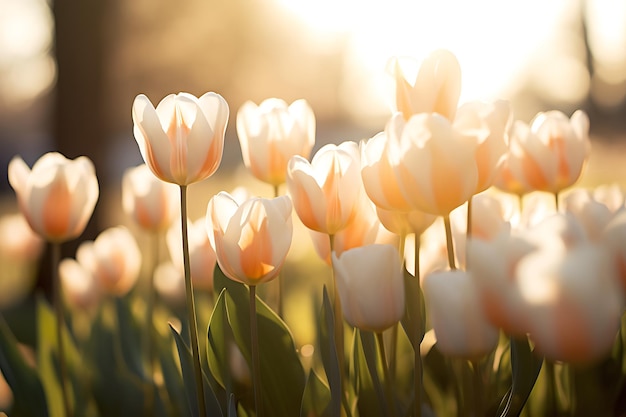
[458,267]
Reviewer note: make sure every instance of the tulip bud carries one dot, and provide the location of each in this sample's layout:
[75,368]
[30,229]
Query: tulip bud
[326,191]
[80,288]
[436,89]
[250,240]
[113,259]
[271,133]
[455,311]
[201,254]
[434,164]
[150,202]
[548,155]
[370,283]
[183,138]
[57,196]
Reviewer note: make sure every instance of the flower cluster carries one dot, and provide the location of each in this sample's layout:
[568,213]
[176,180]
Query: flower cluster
[498,284]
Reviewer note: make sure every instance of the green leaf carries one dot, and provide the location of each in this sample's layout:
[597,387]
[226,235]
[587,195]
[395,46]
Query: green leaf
[414,314]
[130,337]
[369,400]
[316,398]
[219,337]
[213,407]
[232,406]
[282,375]
[525,367]
[370,352]
[29,398]
[328,350]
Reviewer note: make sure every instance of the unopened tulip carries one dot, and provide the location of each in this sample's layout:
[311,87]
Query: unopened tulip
[611,196]
[150,202]
[325,192]
[574,302]
[113,259]
[57,196]
[18,242]
[370,283]
[592,215]
[201,254]
[169,283]
[548,155]
[436,89]
[183,138]
[454,308]
[378,177]
[489,124]
[363,229]
[271,133]
[434,163]
[80,287]
[251,240]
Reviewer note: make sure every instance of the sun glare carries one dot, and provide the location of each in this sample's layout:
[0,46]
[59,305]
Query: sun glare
[493,40]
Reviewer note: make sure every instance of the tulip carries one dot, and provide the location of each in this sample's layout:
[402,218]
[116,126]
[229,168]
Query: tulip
[151,203]
[363,229]
[202,257]
[378,177]
[436,89]
[614,236]
[183,138]
[548,155]
[592,215]
[489,123]
[455,311]
[80,287]
[433,162]
[405,223]
[574,302]
[113,259]
[326,191]
[57,196]
[18,242]
[169,283]
[250,240]
[611,196]
[271,133]
[370,283]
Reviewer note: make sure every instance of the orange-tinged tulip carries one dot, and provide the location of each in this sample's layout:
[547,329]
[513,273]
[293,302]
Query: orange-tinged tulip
[574,301]
[325,192]
[57,196]
[18,242]
[150,202]
[201,254]
[183,138]
[80,288]
[489,124]
[436,89]
[549,155]
[271,133]
[370,283]
[378,176]
[455,311]
[113,259]
[251,240]
[592,214]
[434,163]
[405,223]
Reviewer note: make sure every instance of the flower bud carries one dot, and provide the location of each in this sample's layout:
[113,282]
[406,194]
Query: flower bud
[182,140]
[250,240]
[57,196]
[271,133]
[370,283]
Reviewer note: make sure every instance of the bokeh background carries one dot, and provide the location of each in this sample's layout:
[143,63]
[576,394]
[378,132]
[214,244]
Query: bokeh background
[69,70]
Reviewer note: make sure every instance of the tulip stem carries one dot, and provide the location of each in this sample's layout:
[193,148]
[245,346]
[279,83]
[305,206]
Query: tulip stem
[58,308]
[149,331]
[256,362]
[191,309]
[418,373]
[388,380]
[449,242]
[338,314]
[556,202]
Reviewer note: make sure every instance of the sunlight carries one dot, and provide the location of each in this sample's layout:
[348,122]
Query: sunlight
[493,40]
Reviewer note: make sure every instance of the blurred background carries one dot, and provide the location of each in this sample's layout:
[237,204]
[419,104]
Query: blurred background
[69,71]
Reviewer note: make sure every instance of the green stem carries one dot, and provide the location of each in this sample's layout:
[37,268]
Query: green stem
[256,362]
[58,309]
[149,331]
[449,242]
[478,389]
[418,373]
[391,409]
[556,201]
[393,351]
[191,308]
